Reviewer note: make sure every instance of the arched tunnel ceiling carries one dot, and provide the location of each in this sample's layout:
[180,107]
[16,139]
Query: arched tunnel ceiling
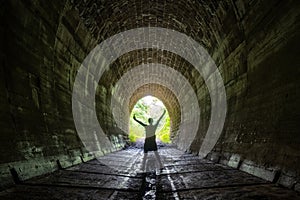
[143,56]
[107,18]
[159,91]
[163,75]
[151,37]
[205,21]
[129,60]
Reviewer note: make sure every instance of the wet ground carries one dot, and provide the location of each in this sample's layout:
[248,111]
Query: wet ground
[184,177]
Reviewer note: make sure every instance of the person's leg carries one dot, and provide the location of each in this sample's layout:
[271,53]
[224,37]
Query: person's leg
[158,159]
[144,161]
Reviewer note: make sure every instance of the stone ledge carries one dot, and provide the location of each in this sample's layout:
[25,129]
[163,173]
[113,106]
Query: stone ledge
[27,169]
[235,161]
[68,162]
[87,156]
[250,167]
[225,158]
[286,179]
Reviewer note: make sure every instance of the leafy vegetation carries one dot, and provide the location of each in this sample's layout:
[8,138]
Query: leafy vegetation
[144,109]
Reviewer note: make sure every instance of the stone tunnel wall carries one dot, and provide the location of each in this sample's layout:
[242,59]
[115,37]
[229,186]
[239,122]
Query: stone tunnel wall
[254,44]
[42,46]
[260,67]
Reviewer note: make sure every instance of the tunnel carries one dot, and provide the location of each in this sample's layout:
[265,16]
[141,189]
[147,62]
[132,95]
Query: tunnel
[227,72]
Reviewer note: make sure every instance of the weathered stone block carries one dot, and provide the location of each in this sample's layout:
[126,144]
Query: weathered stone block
[225,157]
[6,179]
[87,156]
[252,168]
[234,161]
[287,179]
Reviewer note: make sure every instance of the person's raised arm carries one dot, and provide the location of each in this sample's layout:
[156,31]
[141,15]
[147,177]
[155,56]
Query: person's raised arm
[138,121]
[160,117]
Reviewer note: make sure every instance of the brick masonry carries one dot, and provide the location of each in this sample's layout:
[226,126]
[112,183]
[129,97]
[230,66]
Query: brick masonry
[253,43]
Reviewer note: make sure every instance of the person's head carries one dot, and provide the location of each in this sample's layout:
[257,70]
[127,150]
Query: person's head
[150,120]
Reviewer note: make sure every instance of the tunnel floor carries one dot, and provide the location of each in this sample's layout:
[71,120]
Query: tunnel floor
[185,176]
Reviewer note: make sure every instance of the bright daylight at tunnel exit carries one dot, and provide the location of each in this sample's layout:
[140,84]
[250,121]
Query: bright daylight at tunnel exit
[150,99]
[145,108]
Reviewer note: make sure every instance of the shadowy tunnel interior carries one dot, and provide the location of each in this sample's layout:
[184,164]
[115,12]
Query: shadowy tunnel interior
[253,43]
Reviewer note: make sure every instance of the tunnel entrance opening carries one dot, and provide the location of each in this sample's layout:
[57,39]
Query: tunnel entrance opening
[145,108]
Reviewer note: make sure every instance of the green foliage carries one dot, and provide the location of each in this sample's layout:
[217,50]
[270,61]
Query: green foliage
[136,131]
[164,133]
[142,111]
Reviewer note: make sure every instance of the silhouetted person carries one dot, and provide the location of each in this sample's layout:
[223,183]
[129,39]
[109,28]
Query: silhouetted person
[150,141]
